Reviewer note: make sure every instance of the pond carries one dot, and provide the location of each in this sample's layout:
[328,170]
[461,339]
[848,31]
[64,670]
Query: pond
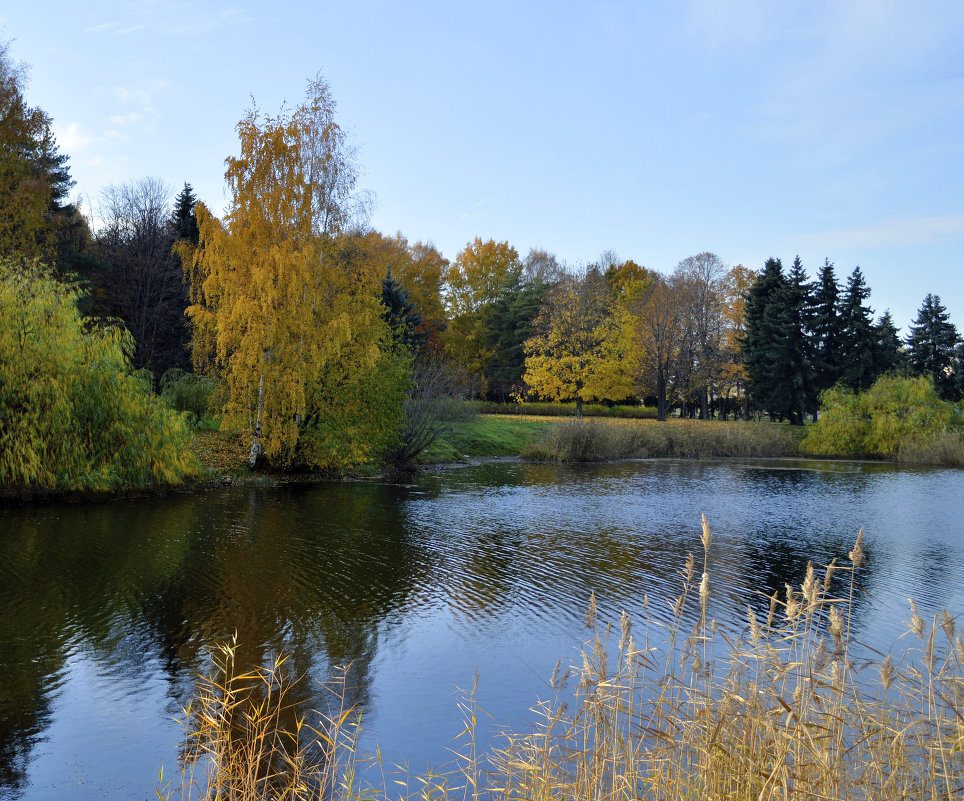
[108,611]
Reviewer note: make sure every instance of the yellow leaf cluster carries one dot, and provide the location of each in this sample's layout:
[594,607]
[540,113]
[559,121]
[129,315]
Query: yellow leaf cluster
[474,281]
[582,350]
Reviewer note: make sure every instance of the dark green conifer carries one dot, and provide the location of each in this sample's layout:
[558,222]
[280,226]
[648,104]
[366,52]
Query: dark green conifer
[761,324]
[827,329]
[183,221]
[931,344]
[789,361]
[888,356]
[402,316]
[508,326]
[859,349]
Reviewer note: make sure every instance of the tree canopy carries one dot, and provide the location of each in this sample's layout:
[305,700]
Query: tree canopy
[300,340]
[34,180]
[579,349]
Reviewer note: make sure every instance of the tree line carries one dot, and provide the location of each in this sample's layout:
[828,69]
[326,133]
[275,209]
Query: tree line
[333,344]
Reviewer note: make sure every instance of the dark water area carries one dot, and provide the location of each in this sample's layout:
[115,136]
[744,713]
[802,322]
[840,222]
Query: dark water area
[109,611]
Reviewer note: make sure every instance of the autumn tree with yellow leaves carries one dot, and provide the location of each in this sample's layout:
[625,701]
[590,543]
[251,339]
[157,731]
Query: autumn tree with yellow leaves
[474,282]
[35,219]
[418,266]
[300,344]
[581,346]
[738,281]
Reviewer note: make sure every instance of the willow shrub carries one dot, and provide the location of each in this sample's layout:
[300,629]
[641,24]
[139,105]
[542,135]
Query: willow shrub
[897,418]
[72,414]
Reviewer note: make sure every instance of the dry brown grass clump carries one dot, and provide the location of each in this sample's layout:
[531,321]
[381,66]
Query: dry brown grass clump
[790,707]
[247,738]
[945,449]
[592,441]
[785,709]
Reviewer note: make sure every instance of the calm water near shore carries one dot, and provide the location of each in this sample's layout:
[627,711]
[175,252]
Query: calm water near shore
[109,610]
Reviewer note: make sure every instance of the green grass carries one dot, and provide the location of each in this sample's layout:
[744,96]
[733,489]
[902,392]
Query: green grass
[540,409]
[485,436]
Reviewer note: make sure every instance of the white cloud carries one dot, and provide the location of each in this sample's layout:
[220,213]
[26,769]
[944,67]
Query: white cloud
[126,119]
[890,233]
[70,137]
[134,97]
[733,25]
[104,26]
[205,20]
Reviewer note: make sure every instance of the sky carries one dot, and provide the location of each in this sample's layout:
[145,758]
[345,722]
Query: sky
[657,130]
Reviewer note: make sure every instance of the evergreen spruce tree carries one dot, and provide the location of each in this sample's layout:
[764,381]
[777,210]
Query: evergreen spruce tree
[959,370]
[761,323]
[789,358]
[401,315]
[183,221]
[827,329]
[508,326]
[888,356]
[859,337]
[931,346]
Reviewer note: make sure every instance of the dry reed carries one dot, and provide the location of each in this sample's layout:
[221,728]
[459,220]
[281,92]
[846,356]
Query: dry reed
[592,441]
[788,707]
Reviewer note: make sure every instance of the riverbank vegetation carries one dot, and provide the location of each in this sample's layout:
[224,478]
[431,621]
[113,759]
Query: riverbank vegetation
[485,436]
[334,348]
[665,707]
[73,417]
[595,441]
[546,409]
[902,419]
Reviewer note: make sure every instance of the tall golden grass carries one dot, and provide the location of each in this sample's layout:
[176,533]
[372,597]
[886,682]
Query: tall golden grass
[592,441]
[790,707]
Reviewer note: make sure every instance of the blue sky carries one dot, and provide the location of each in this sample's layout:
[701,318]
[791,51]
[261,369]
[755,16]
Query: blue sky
[657,130]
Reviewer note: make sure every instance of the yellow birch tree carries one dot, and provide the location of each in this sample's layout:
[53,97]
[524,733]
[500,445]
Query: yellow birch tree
[284,315]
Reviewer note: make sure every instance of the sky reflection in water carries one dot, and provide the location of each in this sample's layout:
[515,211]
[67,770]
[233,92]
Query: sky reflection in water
[109,610]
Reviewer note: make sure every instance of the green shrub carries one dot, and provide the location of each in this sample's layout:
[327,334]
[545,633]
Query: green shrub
[187,392]
[897,418]
[72,414]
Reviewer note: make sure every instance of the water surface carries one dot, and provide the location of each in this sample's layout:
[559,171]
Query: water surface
[108,611]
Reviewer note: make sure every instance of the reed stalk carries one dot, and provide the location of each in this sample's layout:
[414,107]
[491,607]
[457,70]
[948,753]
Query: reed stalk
[789,706]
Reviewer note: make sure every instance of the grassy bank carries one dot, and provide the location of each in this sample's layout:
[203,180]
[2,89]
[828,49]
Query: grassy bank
[550,439]
[788,706]
[485,435]
[596,441]
[225,453]
[536,409]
